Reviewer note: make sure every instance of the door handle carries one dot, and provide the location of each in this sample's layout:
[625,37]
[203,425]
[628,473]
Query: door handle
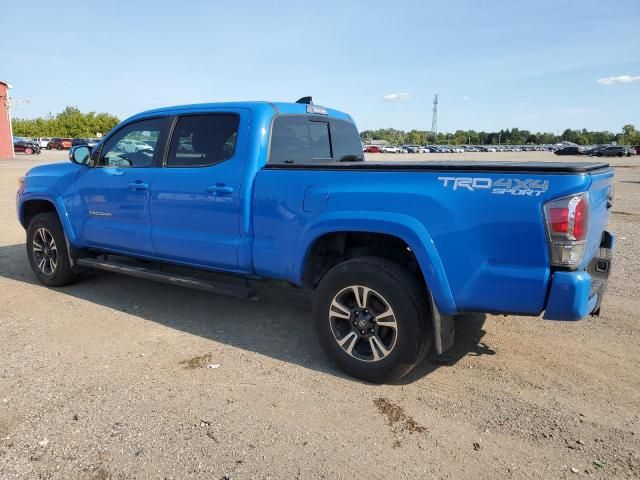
[220,189]
[137,186]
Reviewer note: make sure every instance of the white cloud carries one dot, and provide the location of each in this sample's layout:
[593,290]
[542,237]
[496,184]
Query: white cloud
[466,99]
[397,97]
[619,79]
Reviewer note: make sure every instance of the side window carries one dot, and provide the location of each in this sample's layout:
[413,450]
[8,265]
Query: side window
[346,143]
[134,146]
[298,139]
[202,140]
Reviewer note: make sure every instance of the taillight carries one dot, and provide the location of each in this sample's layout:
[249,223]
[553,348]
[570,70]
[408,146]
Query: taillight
[567,226]
[559,219]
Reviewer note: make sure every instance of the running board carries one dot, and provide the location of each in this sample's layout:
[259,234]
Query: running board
[221,288]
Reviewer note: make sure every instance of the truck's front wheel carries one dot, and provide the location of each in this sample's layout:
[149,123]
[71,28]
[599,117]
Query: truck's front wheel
[371,317]
[47,251]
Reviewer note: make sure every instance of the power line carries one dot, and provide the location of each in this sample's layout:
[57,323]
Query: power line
[14,102]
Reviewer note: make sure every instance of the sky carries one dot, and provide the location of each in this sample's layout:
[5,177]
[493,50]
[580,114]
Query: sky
[541,65]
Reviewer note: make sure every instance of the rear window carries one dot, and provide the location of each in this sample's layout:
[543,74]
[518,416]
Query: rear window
[305,139]
[345,139]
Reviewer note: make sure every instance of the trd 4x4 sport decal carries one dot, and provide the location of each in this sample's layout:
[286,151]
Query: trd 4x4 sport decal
[502,186]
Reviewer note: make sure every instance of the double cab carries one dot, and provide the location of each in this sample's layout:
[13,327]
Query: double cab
[218,196]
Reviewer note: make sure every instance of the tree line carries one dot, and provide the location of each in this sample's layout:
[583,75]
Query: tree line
[70,123]
[629,135]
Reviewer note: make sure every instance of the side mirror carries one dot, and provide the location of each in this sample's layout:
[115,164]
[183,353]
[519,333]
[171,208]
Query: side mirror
[81,155]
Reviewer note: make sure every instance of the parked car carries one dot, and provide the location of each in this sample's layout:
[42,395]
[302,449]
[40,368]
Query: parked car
[611,151]
[568,151]
[372,149]
[392,251]
[42,141]
[59,144]
[458,149]
[391,149]
[26,146]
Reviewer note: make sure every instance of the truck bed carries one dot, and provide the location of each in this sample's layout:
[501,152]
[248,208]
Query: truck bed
[467,166]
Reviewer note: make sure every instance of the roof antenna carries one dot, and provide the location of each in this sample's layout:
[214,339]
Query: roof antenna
[305,100]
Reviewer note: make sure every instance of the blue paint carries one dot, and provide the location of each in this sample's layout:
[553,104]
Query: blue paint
[478,251]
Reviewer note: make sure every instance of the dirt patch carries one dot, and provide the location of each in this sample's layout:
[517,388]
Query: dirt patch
[201,361]
[101,474]
[626,217]
[397,419]
[4,428]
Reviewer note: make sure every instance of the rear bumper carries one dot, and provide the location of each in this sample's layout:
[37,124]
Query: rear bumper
[574,295]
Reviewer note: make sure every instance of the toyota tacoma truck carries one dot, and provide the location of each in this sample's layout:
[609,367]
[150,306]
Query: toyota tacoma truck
[220,196]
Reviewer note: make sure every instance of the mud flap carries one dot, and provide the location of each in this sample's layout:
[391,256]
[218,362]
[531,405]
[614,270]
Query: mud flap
[443,328]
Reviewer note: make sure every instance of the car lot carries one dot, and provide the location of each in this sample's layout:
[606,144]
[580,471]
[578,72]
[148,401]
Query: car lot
[110,378]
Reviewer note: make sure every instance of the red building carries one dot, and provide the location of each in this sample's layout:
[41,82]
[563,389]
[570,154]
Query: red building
[6,136]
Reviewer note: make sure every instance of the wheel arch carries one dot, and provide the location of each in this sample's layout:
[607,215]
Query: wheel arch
[33,204]
[398,228]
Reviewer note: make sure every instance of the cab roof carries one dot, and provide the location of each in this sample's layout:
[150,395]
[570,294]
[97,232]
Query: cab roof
[274,108]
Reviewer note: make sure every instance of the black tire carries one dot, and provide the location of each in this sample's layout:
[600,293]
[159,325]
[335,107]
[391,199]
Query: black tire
[59,147]
[62,274]
[406,297]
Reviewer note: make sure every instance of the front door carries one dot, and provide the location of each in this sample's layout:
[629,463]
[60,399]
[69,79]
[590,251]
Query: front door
[114,193]
[195,199]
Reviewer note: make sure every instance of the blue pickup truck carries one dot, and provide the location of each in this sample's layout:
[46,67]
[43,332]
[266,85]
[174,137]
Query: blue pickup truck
[220,196]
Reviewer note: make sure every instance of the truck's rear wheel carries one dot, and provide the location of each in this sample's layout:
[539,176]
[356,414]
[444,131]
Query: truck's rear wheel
[47,251]
[371,317]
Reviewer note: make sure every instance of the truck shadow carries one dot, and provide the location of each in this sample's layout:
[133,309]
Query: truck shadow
[278,325]
[469,333]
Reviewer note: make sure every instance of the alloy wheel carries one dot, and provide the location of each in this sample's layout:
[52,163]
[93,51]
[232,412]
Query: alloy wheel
[363,323]
[45,251]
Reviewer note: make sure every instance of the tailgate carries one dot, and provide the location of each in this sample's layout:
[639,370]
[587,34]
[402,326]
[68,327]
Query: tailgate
[600,203]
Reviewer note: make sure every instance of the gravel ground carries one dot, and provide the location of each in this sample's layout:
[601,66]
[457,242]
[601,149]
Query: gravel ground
[108,379]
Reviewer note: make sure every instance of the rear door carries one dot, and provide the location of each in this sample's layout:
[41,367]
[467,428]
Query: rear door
[114,193]
[196,197]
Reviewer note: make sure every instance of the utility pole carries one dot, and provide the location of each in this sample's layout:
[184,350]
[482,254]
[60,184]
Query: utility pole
[434,119]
